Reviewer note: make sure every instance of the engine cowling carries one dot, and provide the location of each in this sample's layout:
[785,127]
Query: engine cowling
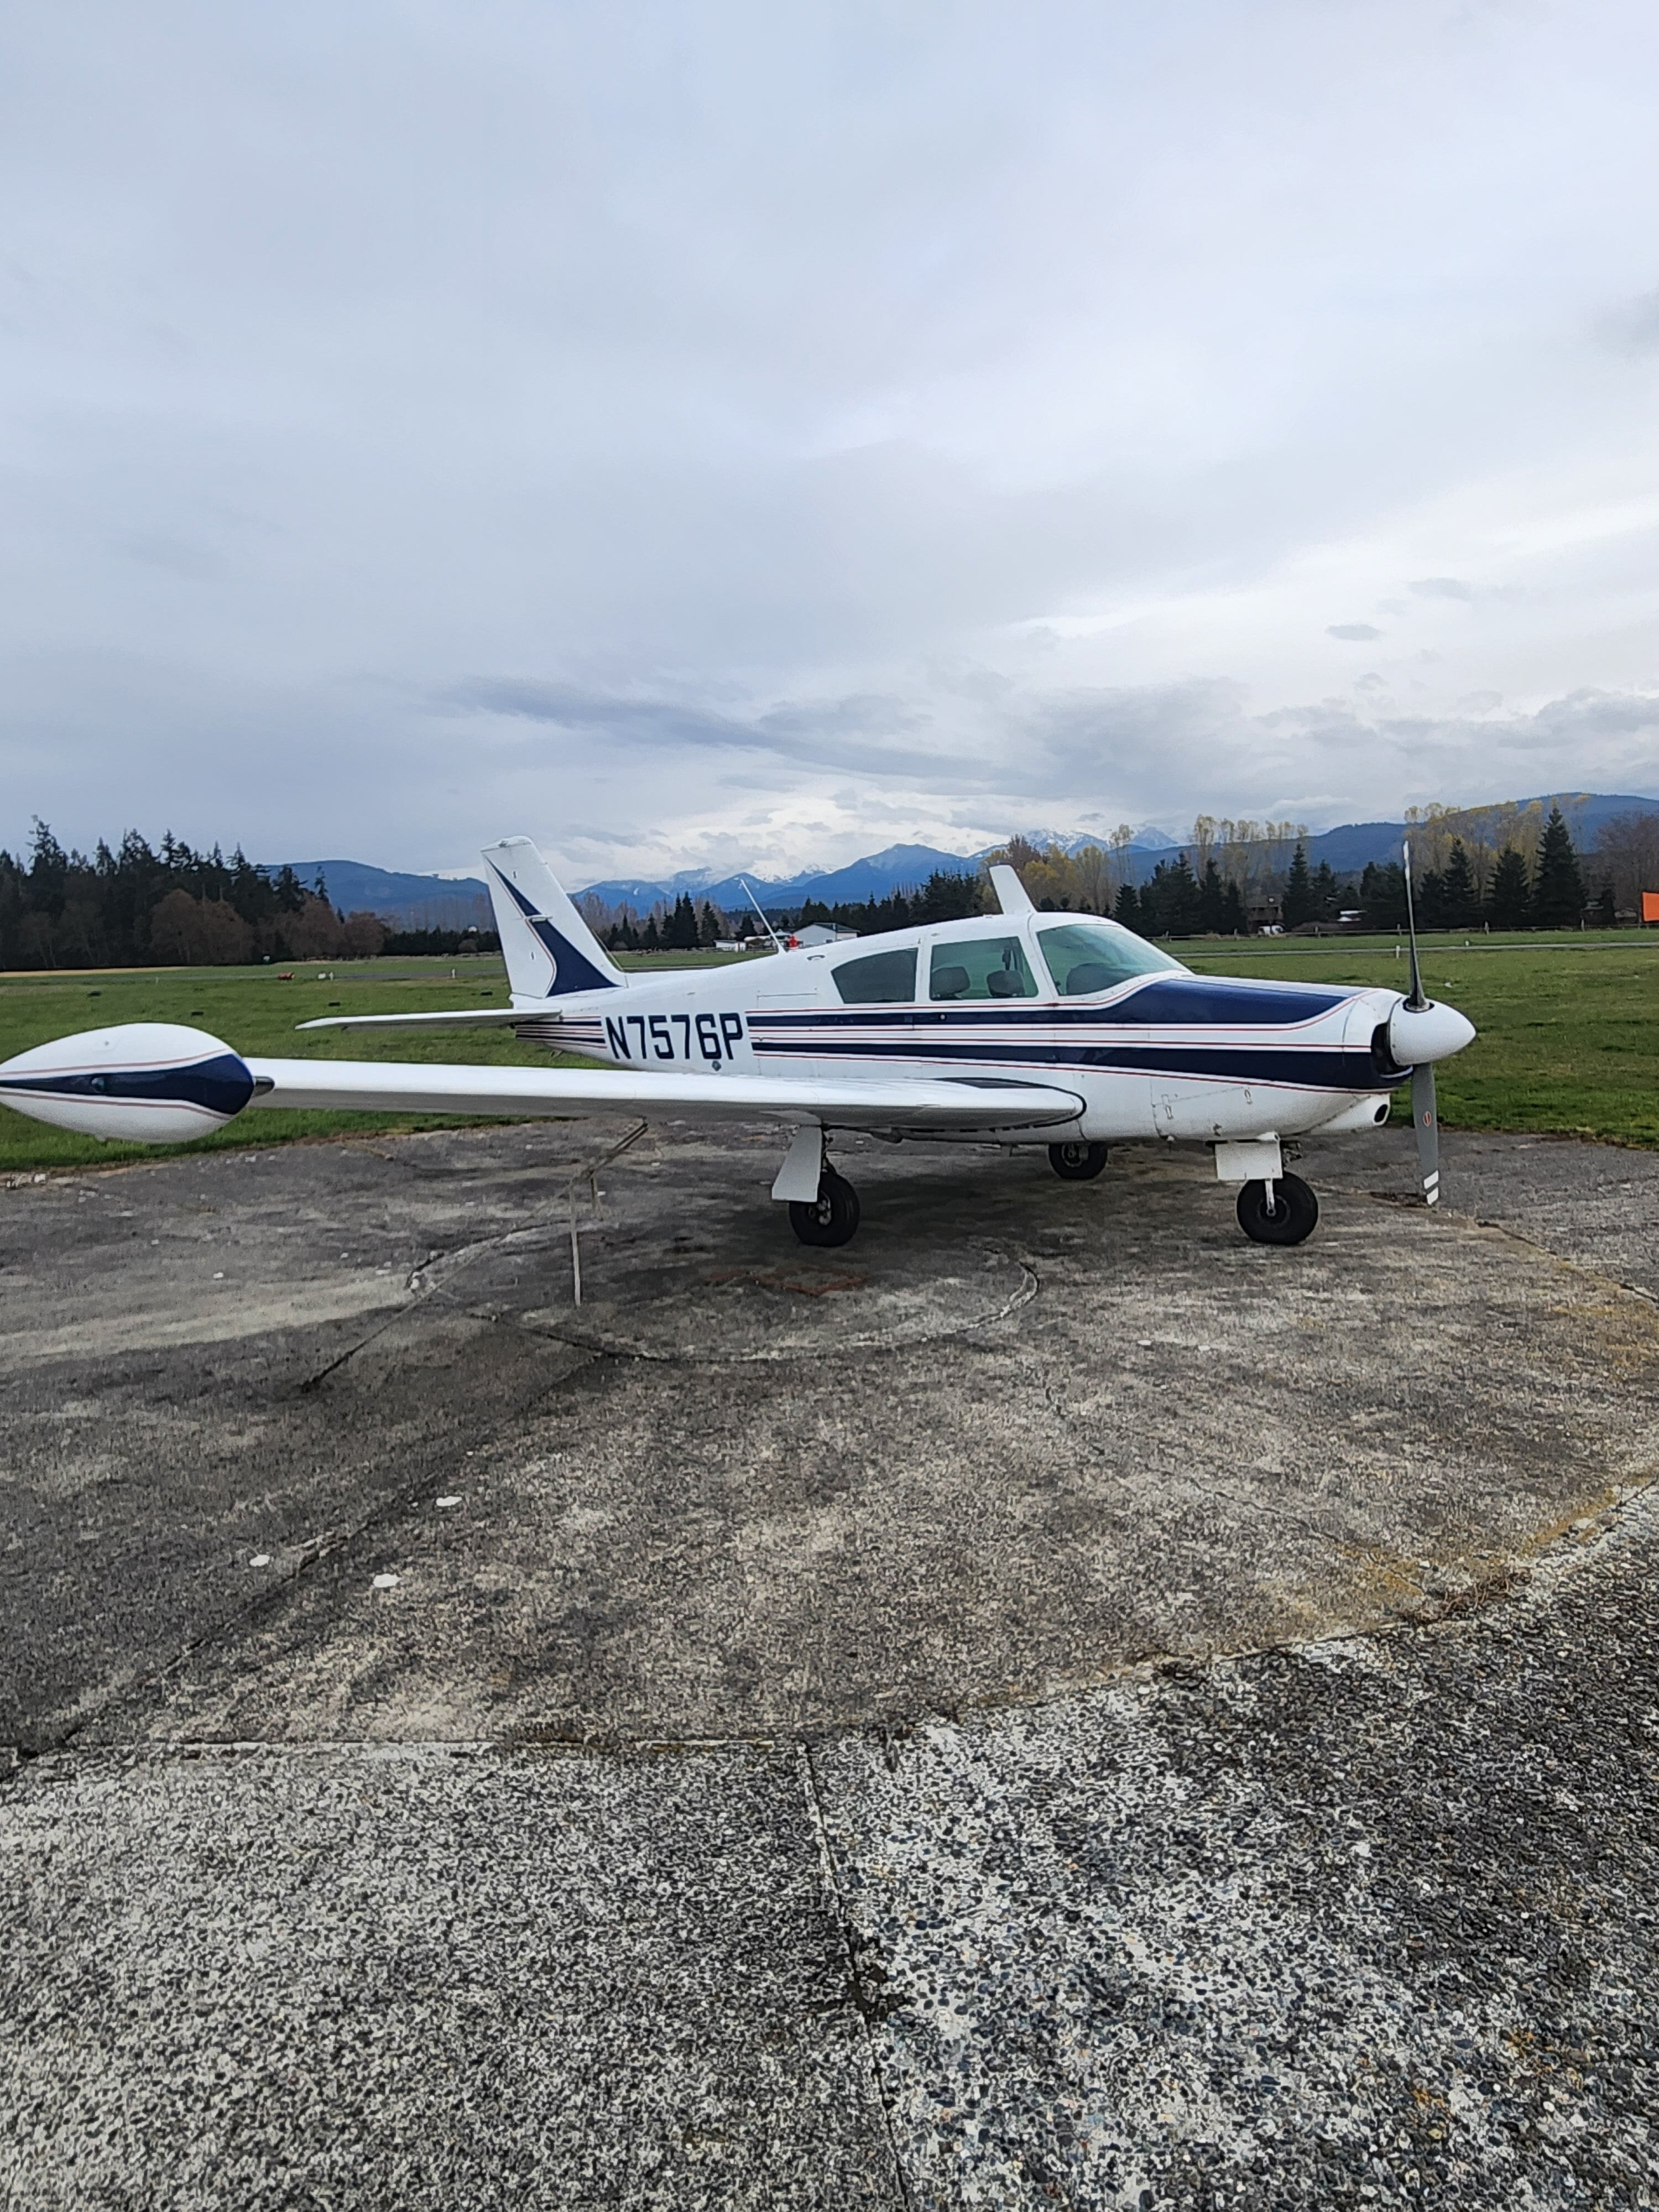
[148,1083]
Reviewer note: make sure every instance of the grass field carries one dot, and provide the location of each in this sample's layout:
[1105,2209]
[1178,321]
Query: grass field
[1569,1027]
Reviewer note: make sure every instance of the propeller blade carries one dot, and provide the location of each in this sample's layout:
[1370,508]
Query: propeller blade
[1416,999]
[1425,1119]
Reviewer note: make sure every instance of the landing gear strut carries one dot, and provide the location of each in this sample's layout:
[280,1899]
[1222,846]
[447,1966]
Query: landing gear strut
[832,1218]
[1077,1161]
[1282,1211]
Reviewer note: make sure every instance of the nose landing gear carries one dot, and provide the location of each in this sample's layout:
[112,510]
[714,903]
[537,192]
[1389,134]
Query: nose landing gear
[831,1217]
[1282,1211]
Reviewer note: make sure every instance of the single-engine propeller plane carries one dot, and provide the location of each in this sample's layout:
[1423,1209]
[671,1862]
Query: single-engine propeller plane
[1019,1027]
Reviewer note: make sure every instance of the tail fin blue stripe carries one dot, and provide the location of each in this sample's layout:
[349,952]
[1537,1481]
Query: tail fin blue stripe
[572,970]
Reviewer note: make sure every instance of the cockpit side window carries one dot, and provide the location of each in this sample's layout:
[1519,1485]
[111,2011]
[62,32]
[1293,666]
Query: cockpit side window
[880,978]
[981,968]
[1086,957]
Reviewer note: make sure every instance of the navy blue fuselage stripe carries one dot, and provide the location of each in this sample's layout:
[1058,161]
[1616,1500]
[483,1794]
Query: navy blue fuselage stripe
[1334,1068]
[220,1086]
[1157,1007]
[572,970]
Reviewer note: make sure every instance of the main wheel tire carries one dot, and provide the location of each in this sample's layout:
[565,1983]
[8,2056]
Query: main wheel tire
[1077,1161]
[832,1218]
[1289,1220]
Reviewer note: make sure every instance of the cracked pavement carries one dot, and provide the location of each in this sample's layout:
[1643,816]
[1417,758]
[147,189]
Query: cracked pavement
[1051,1704]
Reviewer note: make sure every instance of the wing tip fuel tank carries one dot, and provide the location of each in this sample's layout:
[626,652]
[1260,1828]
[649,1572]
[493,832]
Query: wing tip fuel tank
[148,1083]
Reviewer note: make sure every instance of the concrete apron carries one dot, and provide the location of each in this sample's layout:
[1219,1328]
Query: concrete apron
[836,1566]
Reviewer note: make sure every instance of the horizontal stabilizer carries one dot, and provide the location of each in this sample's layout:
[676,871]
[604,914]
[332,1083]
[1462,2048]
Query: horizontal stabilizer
[476,1017]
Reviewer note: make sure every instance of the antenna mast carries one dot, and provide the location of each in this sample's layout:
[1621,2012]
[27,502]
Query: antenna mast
[777,942]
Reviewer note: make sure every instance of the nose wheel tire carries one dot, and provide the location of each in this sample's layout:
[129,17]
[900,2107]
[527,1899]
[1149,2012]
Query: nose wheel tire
[830,1218]
[1077,1162]
[1288,1218]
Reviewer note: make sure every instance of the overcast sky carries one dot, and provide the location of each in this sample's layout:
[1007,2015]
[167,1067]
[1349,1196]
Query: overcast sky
[761,434]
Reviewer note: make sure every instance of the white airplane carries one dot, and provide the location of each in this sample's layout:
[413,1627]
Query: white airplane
[1019,1027]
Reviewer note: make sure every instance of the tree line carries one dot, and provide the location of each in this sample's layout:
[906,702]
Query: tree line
[1536,881]
[1248,877]
[133,904]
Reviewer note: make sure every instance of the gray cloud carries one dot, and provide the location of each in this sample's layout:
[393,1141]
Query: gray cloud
[1440,587]
[1357,633]
[1633,327]
[831,733]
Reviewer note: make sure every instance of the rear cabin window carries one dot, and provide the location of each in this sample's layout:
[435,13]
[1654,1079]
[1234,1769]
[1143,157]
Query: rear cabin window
[1085,956]
[880,978]
[981,968]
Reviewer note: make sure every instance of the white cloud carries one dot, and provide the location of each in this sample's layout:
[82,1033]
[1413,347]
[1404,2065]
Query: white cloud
[796,430]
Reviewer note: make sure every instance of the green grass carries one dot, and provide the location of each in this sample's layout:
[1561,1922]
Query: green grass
[1569,1027]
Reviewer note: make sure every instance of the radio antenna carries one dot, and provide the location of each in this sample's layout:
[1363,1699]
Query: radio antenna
[777,942]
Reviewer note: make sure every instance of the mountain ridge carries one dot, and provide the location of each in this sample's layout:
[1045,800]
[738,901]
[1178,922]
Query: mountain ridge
[430,901]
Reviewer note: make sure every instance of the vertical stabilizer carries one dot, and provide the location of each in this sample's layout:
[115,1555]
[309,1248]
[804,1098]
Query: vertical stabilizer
[549,949]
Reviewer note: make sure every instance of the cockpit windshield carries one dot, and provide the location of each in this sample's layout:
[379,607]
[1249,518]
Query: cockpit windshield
[1086,957]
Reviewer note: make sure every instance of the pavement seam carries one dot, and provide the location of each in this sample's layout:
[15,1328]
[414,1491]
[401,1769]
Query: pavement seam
[313,1382]
[600,1347]
[831,1881]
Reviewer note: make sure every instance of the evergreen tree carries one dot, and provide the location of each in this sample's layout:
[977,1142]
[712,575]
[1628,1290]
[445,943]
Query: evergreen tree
[49,867]
[1557,896]
[1298,890]
[1212,900]
[1170,902]
[708,926]
[1235,922]
[1324,893]
[1607,912]
[290,890]
[947,896]
[1509,903]
[1126,908]
[1457,891]
[679,933]
[1430,899]
[652,941]
[1382,894]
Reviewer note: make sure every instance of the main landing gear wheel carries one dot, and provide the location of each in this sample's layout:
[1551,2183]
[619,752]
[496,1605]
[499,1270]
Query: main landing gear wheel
[1288,1219]
[830,1218]
[1077,1161]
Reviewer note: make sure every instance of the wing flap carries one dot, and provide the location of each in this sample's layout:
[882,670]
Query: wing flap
[405,1087]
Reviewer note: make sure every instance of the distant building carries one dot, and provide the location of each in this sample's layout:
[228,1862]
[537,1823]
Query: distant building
[816,933]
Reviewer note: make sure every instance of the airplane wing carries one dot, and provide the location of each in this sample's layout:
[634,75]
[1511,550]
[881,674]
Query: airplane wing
[575,1093]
